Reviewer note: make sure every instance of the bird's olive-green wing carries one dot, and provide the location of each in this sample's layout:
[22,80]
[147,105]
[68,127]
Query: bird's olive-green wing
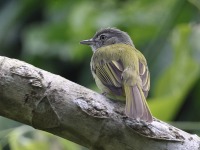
[110,75]
[136,86]
[144,73]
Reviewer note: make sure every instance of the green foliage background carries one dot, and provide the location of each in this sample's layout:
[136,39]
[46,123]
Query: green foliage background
[47,34]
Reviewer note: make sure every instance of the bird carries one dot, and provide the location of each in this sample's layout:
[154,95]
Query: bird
[120,71]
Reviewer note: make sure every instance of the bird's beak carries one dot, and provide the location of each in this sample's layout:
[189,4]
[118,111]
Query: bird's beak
[87,42]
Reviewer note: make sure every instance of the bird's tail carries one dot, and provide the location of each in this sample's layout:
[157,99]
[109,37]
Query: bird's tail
[136,105]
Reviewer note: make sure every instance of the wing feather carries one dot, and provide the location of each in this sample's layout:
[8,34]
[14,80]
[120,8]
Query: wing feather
[110,75]
[145,77]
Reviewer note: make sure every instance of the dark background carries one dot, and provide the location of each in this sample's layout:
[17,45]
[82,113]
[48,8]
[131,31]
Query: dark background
[47,33]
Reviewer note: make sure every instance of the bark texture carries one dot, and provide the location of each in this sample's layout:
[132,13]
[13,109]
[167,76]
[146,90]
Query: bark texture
[51,103]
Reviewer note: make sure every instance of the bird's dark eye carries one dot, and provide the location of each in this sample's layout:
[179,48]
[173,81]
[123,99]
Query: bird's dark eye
[102,37]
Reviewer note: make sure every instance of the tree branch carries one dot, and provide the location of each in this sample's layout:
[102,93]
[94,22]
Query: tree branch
[51,103]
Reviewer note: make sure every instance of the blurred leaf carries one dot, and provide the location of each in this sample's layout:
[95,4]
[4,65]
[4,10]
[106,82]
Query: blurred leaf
[68,145]
[194,42]
[18,140]
[12,18]
[177,80]
[4,134]
[6,127]
[59,38]
[195,3]
[6,123]
[27,138]
[42,41]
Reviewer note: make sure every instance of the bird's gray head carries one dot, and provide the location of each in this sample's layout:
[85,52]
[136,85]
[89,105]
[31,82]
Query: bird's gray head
[106,37]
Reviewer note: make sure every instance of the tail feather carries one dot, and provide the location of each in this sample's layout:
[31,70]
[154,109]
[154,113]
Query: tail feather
[136,105]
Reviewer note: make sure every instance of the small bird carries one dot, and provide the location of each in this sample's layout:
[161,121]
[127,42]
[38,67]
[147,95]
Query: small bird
[120,71]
